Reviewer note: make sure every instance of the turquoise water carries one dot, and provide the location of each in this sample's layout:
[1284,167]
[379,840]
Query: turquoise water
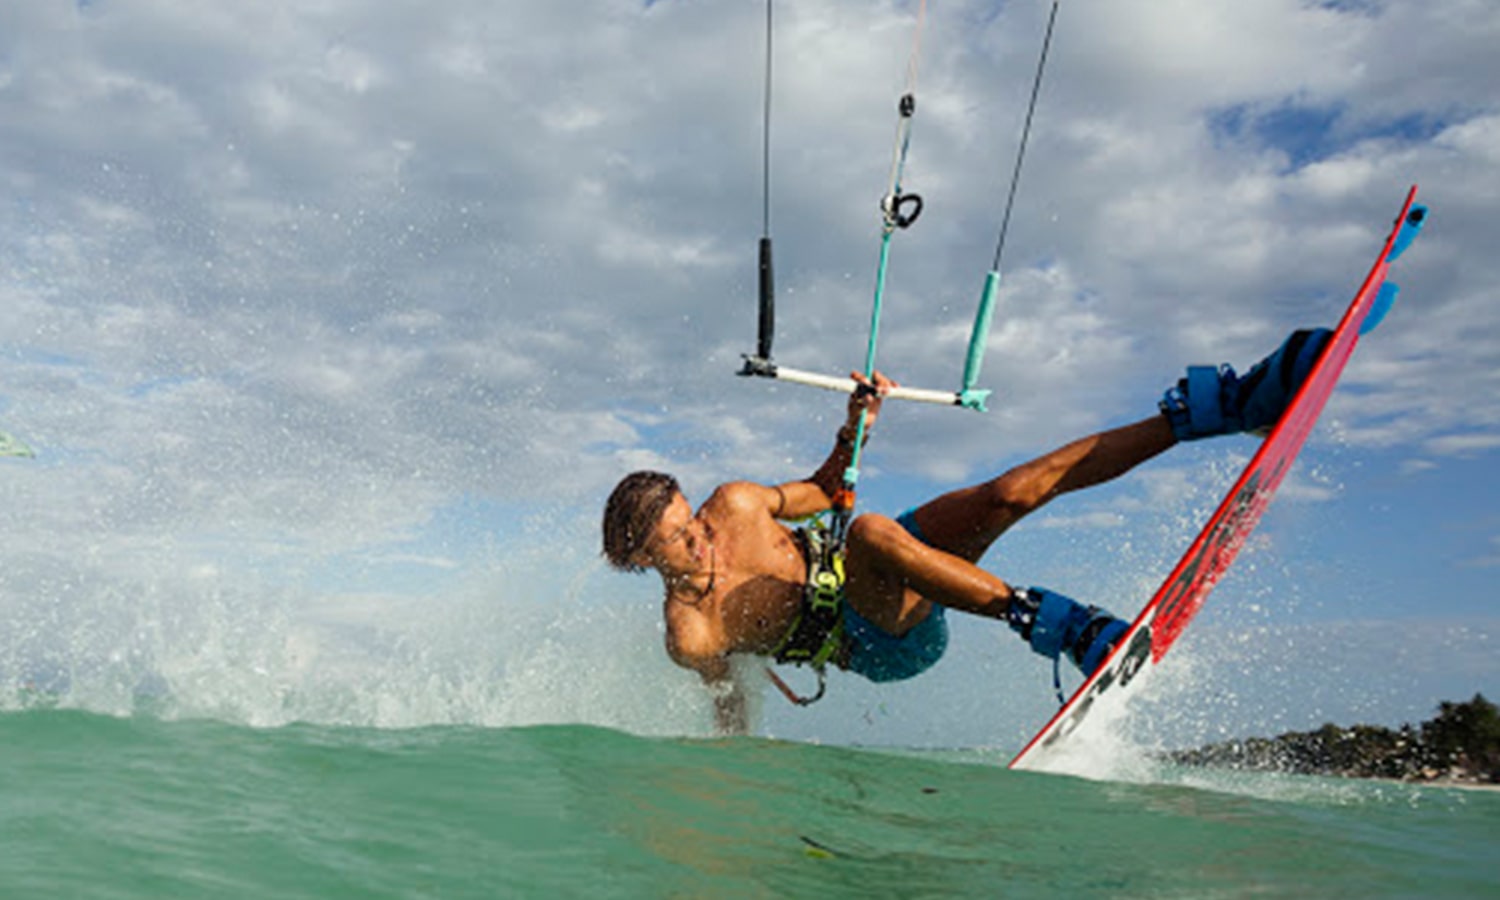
[96,806]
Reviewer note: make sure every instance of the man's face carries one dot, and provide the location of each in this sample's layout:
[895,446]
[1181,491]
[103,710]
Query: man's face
[679,542]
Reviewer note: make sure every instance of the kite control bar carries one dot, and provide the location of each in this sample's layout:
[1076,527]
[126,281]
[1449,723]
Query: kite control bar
[899,210]
[765,368]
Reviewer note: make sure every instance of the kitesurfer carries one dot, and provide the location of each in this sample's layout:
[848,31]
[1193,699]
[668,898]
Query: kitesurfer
[738,581]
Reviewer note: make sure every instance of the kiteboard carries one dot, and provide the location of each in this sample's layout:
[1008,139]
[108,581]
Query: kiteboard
[1163,620]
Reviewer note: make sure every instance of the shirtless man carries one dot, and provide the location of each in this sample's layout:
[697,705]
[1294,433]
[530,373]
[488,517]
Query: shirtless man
[738,581]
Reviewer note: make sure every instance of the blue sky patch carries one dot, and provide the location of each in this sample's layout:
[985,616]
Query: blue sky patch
[1309,133]
[1357,7]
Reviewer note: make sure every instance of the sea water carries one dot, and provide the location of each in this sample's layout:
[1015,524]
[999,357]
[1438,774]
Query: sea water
[94,805]
[208,730]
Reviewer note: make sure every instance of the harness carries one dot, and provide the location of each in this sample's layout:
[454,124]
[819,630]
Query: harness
[816,636]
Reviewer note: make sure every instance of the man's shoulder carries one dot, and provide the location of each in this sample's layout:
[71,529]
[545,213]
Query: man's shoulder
[738,498]
[691,636]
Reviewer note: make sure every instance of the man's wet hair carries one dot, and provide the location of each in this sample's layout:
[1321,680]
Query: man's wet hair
[632,513]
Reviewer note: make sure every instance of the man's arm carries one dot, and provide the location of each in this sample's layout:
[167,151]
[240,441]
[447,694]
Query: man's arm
[731,715]
[690,646]
[814,494]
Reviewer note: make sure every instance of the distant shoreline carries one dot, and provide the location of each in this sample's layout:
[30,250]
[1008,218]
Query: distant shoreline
[1460,747]
[1448,783]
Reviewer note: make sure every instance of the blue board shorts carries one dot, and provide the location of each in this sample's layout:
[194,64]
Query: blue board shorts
[880,656]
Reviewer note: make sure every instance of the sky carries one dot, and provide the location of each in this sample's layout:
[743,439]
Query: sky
[332,324]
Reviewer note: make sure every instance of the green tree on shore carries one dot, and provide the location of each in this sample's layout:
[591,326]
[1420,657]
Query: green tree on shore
[1462,742]
[1465,736]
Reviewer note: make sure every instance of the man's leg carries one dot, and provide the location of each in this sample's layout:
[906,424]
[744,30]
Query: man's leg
[967,521]
[893,577]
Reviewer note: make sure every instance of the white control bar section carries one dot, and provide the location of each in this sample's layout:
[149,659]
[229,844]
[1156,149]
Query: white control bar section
[848,386]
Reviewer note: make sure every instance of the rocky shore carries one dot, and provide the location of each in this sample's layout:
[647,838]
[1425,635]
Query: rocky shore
[1461,744]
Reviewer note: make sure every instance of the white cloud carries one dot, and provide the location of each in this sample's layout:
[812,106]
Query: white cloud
[1302,486]
[1493,558]
[1463,444]
[1093,520]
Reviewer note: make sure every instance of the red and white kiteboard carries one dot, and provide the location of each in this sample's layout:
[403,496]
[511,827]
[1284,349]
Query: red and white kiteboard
[1159,625]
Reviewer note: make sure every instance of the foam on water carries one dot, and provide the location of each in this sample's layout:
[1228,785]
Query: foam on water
[506,644]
